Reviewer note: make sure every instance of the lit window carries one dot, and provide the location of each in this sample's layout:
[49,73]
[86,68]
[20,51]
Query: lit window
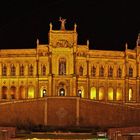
[101,93]
[110,93]
[93,71]
[13,70]
[81,71]
[130,72]
[4,70]
[30,70]
[62,66]
[110,72]
[130,94]
[101,72]
[93,93]
[21,70]
[119,73]
[119,94]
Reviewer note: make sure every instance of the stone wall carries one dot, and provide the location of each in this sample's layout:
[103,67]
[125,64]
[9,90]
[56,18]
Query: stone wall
[22,112]
[68,111]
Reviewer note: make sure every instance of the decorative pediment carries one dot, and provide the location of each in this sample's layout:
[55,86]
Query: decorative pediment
[63,44]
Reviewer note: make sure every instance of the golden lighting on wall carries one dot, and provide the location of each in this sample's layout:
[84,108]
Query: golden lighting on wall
[119,94]
[130,94]
[110,93]
[93,93]
[101,93]
[31,92]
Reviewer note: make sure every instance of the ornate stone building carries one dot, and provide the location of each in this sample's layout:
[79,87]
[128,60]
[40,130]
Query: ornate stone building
[64,68]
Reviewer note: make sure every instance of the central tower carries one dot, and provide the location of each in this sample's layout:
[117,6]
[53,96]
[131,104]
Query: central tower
[62,49]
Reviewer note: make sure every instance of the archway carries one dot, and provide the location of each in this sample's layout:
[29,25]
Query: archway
[43,92]
[61,92]
[31,91]
[93,93]
[110,93]
[130,94]
[4,92]
[22,92]
[119,94]
[13,92]
[81,92]
[101,93]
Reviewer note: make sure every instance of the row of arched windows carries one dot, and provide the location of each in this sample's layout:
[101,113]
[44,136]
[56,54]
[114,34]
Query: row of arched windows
[110,71]
[110,96]
[22,70]
[94,95]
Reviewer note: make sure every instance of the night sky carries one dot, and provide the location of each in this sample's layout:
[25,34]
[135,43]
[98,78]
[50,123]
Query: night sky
[107,24]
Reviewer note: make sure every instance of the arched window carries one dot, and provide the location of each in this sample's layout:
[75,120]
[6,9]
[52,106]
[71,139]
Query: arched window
[30,70]
[130,72]
[81,71]
[110,93]
[62,66]
[130,94]
[21,70]
[101,93]
[13,70]
[43,70]
[4,92]
[13,92]
[93,93]
[4,70]
[101,71]
[31,92]
[22,92]
[119,73]
[110,72]
[119,94]
[93,71]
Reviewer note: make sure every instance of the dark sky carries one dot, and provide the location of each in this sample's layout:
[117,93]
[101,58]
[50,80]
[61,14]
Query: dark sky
[107,24]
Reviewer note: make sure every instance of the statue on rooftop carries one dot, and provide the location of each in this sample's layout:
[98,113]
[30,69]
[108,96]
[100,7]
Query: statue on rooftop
[63,21]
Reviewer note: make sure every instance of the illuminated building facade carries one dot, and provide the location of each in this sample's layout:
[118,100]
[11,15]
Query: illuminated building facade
[64,68]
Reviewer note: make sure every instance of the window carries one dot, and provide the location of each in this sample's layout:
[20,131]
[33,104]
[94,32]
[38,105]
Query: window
[130,94]
[130,72]
[110,72]
[21,70]
[4,70]
[93,71]
[62,66]
[110,93]
[119,96]
[30,70]
[119,73]
[13,70]
[101,72]
[81,71]
[43,70]
[93,93]
[101,93]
